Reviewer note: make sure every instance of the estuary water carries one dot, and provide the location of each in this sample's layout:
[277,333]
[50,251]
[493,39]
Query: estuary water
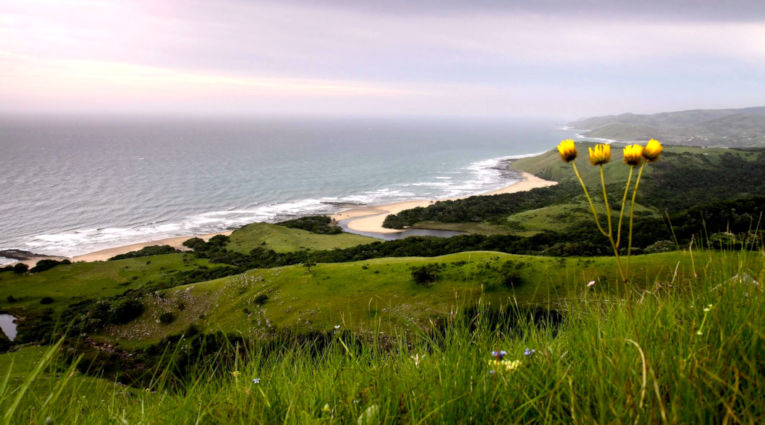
[75,185]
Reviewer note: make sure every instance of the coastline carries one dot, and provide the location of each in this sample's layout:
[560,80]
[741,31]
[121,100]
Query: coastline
[369,219]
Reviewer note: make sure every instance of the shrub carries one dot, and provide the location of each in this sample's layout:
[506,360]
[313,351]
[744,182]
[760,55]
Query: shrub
[146,252]
[512,280]
[11,299]
[46,264]
[261,299]
[320,224]
[166,318]
[125,311]
[46,300]
[425,275]
[20,268]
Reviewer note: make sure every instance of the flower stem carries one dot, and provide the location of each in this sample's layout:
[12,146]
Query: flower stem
[610,227]
[632,214]
[587,194]
[624,202]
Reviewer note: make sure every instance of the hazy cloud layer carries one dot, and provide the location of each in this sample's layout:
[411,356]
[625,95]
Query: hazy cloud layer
[563,59]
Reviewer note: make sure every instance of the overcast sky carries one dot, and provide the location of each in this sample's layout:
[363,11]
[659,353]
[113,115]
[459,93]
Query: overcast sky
[554,58]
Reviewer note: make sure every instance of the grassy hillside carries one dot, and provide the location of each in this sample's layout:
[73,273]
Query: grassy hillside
[721,127]
[685,348]
[381,294]
[285,239]
[66,284]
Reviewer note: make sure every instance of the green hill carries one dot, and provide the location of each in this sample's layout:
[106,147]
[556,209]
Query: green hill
[743,127]
[382,294]
[284,239]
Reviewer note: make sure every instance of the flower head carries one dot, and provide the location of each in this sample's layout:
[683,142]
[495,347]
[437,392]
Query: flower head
[504,365]
[499,354]
[567,150]
[256,380]
[529,352]
[633,154]
[600,154]
[652,150]
[591,284]
[235,373]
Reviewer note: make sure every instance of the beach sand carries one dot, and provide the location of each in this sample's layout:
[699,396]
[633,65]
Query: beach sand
[176,242]
[371,218]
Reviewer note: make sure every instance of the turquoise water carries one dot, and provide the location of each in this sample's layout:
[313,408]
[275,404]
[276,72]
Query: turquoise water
[75,185]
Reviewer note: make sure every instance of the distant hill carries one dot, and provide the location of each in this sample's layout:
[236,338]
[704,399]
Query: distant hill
[743,127]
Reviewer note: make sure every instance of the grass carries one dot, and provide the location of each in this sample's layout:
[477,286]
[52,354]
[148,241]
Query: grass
[69,283]
[381,294]
[683,347]
[285,239]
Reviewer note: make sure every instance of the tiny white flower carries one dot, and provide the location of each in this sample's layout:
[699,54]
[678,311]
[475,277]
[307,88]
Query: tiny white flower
[591,284]
[256,381]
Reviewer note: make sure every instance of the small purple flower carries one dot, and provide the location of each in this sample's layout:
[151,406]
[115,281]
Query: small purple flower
[499,354]
[529,352]
[256,381]
[491,372]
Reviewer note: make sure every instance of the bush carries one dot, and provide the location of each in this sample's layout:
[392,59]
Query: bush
[261,299]
[146,252]
[125,311]
[320,224]
[46,300]
[43,265]
[166,318]
[425,275]
[11,299]
[512,280]
[20,268]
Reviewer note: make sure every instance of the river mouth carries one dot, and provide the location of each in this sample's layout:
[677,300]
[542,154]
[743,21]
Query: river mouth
[8,325]
[400,235]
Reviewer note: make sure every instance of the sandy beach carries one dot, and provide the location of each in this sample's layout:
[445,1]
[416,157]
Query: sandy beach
[371,218]
[176,242]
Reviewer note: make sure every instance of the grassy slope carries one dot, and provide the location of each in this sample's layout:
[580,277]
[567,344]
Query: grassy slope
[69,283]
[687,349]
[382,293]
[285,239]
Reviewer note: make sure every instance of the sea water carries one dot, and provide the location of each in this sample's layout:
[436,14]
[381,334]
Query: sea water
[74,185]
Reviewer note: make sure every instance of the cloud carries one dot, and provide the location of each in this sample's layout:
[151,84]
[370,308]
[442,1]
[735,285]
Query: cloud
[491,57]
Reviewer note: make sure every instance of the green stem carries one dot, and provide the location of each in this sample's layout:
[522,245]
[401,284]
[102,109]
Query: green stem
[610,226]
[624,202]
[632,214]
[587,194]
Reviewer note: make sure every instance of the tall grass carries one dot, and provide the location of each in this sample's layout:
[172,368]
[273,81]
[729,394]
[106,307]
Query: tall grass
[687,350]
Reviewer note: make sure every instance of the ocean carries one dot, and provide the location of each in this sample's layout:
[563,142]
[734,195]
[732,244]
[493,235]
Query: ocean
[75,185]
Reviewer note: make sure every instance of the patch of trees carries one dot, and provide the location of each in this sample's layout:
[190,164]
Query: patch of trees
[44,265]
[484,208]
[146,252]
[320,224]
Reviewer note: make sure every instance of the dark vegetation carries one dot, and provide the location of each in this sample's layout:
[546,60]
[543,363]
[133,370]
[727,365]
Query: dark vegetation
[145,252]
[320,224]
[43,265]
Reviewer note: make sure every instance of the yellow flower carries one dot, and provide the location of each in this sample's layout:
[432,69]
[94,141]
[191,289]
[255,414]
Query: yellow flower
[567,150]
[504,365]
[600,154]
[652,150]
[235,374]
[633,154]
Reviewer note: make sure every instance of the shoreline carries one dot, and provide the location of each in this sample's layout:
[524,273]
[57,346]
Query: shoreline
[369,219]
[366,218]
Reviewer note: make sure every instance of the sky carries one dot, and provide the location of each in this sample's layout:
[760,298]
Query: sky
[544,58]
